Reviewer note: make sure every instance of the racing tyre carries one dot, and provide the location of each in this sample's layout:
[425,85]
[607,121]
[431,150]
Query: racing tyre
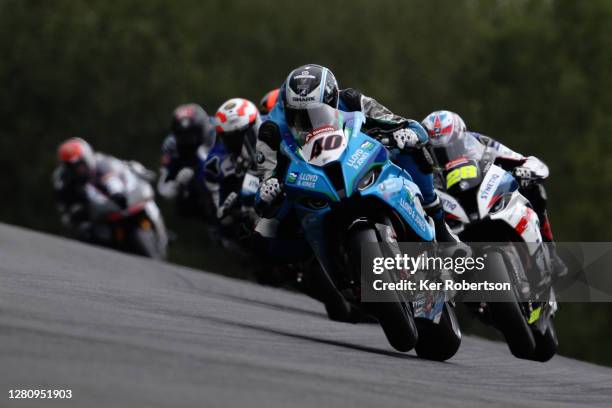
[146,244]
[439,341]
[546,344]
[507,316]
[394,316]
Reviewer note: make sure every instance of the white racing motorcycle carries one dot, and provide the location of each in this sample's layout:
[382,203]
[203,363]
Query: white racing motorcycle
[483,204]
[138,228]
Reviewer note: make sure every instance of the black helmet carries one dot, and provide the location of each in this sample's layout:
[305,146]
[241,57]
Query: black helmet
[307,85]
[192,128]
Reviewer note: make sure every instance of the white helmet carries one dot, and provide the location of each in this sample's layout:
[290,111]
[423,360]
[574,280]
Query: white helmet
[238,122]
[443,126]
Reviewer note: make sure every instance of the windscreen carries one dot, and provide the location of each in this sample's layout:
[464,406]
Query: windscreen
[463,147]
[309,122]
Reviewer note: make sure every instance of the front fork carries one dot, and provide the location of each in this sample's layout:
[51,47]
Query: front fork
[537,313]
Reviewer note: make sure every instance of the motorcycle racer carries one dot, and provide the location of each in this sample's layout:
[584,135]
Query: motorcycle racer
[184,151]
[311,84]
[233,159]
[444,126]
[80,165]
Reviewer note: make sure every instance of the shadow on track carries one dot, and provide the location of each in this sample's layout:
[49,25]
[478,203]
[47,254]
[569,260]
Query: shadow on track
[274,306]
[336,343]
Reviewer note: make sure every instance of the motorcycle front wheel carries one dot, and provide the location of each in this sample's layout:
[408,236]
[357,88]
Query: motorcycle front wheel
[146,242]
[393,315]
[507,314]
[546,344]
[439,341]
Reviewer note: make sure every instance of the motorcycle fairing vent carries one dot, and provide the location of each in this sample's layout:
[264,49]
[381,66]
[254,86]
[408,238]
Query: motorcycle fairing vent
[333,171]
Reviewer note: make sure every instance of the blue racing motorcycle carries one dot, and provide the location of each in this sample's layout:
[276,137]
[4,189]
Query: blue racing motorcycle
[345,191]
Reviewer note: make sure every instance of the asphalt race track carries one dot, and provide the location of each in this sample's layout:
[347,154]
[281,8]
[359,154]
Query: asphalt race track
[120,330]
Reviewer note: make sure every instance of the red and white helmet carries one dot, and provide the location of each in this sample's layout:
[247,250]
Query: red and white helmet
[443,126]
[238,122]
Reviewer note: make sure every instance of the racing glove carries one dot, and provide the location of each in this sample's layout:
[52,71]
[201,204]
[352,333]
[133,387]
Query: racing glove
[531,171]
[405,138]
[268,196]
[270,190]
[184,176]
[524,176]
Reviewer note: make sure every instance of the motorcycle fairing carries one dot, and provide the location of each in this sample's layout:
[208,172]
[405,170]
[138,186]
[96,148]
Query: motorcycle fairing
[495,183]
[250,185]
[520,216]
[361,154]
[452,207]
[399,191]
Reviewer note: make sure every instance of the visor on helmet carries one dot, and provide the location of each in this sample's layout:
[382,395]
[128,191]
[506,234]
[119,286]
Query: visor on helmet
[188,141]
[77,172]
[308,121]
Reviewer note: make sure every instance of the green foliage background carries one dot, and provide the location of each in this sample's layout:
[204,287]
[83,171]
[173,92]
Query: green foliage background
[534,74]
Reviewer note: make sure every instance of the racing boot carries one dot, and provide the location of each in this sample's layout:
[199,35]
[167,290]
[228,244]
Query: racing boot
[558,266]
[443,232]
[536,194]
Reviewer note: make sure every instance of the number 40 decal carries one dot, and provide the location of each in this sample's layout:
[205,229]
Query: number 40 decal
[330,142]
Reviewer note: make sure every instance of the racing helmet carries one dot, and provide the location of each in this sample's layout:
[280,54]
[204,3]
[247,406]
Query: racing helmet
[268,101]
[305,86]
[192,128]
[78,159]
[443,127]
[237,123]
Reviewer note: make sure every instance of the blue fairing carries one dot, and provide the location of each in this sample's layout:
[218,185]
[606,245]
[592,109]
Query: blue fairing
[393,186]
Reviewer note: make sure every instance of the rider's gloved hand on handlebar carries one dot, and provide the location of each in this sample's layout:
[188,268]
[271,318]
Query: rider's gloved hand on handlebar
[270,193]
[524,176]
[405,138]
[270,190]
[184,176]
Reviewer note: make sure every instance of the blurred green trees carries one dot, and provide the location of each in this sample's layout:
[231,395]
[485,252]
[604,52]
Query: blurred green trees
[534,74]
